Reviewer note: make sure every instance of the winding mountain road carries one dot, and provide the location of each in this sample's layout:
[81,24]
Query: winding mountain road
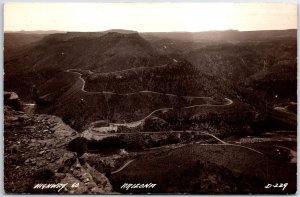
[82,81]
[122,167]
[139,122]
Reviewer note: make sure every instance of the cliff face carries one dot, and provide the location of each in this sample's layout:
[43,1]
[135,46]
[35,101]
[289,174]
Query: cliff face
[36,155]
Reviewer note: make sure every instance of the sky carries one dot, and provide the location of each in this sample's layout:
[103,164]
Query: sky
[149,17]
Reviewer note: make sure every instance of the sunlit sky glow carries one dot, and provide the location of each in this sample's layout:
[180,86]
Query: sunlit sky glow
[149,17]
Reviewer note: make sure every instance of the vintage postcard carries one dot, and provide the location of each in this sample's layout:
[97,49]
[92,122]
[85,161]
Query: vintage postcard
[150,98]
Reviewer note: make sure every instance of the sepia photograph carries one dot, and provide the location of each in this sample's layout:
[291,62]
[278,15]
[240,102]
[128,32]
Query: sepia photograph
[150,98]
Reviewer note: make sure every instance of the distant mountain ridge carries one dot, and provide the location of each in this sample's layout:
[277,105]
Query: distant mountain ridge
[36,32]
[101,53]
[228,35]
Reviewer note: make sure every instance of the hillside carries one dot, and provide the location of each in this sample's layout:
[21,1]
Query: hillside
[101,53]
[171,78]
[15,43]
[65,99]
[59,52]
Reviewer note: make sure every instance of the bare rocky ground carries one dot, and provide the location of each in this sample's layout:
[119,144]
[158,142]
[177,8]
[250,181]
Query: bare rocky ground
[35,152]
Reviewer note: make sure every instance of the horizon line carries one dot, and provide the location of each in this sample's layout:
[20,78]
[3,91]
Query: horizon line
[66,31]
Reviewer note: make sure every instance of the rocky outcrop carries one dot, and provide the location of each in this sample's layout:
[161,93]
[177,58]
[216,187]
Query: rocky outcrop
[35,150]
[78,145]
[86,177]
[12,100]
